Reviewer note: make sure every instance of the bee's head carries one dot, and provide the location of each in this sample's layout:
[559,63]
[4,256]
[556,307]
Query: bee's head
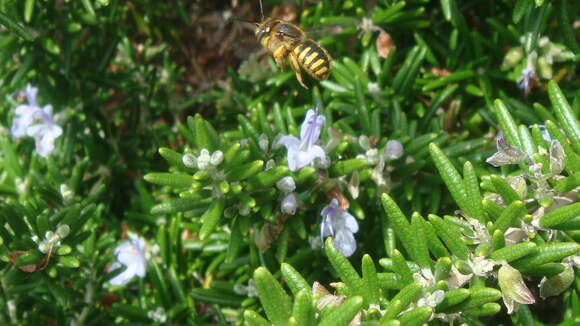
[264,28]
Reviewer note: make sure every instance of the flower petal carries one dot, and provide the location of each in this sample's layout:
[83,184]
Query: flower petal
[349,222]
[326,229]
[289,141]
[345,242]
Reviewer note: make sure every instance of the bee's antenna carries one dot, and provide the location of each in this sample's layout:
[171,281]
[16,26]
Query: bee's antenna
[246,21]
[261,10]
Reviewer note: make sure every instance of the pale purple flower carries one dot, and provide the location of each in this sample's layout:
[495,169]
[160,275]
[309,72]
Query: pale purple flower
[25,113]
[303,151]
[45,132]
[131,254]
[525,82]
[341,226]
[33,121]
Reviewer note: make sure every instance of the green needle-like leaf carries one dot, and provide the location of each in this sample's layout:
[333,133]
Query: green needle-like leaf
[507,123]
[473,193]
[303,310]
[453,298]
[408,294]
[274,299]
[344,313]
[371,280]
[169,179]
[546,253]
[451,177]
[450,235]
[399,223]
[343,267]
[417,316]
[421,248]
[509,216]
[564,113]
[295,280]
[401,268]
[501,186]
[254,319]
[211,218]
[513,252]
[560,215]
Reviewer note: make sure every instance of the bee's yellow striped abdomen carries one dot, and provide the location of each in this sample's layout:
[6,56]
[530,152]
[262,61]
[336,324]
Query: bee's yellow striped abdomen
[314,59]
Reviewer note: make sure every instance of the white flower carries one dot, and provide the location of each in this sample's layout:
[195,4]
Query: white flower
[341,226]
[130,254]
[303,151]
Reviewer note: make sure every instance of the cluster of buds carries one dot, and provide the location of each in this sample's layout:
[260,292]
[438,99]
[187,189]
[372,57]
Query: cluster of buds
[205,161]
[287,186]
[52,239]
[536,64]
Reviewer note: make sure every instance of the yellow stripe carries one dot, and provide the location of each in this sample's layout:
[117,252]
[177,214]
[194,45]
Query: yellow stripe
[321,71]
[316,64]
[297,49]
[310,58]
[279,51]
[303,54]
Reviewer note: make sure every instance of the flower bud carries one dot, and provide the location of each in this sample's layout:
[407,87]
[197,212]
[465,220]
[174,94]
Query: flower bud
[372,156]
[203,160]
[364,142]
[66,193]
[189,160]
[50,236]
[558,283]
[289,204]
[393,150]
[270,164]
[545,68]
[263,142]
[432,299]
[557,157]
[513,288]
[216,158]
[43,247]
[373,88]
[63,231]
[286,184]
[512,57]
[518,183]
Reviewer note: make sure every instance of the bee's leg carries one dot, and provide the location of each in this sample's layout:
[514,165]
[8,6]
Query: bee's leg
[279,55]
[296,67]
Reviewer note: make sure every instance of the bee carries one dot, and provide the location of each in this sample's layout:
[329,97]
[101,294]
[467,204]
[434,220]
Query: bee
[286,40]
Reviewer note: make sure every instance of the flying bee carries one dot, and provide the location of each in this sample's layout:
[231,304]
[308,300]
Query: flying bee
[286,40]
